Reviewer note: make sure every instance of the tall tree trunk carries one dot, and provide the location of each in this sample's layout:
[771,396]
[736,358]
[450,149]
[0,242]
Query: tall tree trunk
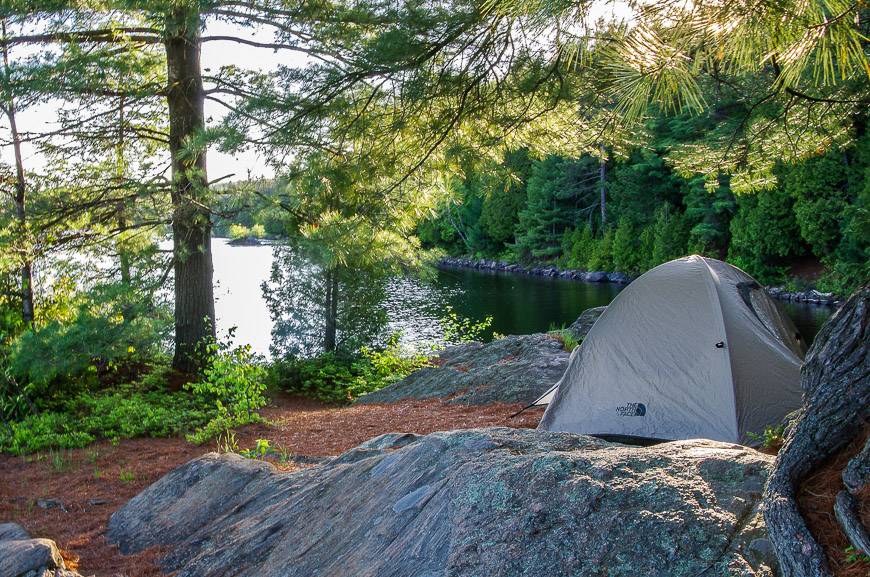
[123,254]
[120,168]
[836,383]
[20,197]
[602,185]
[191,223]
[331,311]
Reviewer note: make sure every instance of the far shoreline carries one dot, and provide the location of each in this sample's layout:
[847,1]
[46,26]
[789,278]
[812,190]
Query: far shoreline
[809,296]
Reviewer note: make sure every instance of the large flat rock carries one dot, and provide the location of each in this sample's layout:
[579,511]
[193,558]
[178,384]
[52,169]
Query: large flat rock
[515,369]
[475,503]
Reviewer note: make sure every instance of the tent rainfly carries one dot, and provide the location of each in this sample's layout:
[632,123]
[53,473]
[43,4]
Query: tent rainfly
[693,348]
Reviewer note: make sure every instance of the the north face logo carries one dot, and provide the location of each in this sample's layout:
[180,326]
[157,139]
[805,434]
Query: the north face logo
[631,410]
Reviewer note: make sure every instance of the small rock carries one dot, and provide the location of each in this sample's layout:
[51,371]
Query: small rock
[762,550]
[245,241]
[50,504]
[12,532]
[581,327]
[32,557]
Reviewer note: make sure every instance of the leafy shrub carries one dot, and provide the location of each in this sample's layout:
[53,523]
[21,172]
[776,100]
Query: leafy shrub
[42,431]
[391,363]
[109,334]
[228,395]
[126,414]
[239,231]
[856,555]
[771,438]
[122,414]
[340,379]
[233,386]
[327,377]
[263,449]
[566,337]
[462,329]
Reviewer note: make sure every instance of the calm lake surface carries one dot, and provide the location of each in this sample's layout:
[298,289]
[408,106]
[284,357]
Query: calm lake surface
[519,304]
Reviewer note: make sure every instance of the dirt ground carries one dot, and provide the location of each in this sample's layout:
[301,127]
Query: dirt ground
[91,483]
[84,487]
[816,500]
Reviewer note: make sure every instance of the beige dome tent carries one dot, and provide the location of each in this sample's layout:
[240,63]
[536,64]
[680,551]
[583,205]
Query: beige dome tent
[693,348]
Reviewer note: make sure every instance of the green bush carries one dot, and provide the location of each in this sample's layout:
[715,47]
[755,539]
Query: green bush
[601,255]
[258,231]
[127,414]
[121,414]
[566,337]
[327,377]
[462,329]
[341,379]
[391,363]
[43,431]
[239,231]
[107,335]
[229,394]
[233,387]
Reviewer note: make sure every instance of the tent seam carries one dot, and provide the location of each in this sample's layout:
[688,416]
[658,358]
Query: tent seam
[713,281]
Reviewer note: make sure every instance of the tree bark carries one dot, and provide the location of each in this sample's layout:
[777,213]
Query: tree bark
[329,340]
[120,166]
[846,511]
[602,184]
[20,197]
[836,384]
[191,222]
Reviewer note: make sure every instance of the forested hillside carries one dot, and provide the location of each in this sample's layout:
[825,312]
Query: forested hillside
[809,224]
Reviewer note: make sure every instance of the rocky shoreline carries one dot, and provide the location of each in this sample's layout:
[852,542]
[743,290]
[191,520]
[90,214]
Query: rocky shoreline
[809,296]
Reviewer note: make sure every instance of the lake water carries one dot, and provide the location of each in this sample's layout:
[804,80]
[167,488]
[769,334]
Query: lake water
[519,304]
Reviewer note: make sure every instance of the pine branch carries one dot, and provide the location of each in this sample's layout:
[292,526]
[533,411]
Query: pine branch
[106,35]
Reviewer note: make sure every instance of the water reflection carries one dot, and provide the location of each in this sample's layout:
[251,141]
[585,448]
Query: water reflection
[518,304]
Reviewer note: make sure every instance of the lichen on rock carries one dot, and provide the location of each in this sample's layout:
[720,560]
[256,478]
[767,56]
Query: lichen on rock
[481,502]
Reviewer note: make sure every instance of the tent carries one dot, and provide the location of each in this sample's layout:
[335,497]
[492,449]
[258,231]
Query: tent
[693,348]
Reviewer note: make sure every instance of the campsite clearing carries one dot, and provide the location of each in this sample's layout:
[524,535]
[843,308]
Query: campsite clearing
[68,496]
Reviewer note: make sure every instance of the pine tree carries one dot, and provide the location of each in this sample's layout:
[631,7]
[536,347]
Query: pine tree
[559,191]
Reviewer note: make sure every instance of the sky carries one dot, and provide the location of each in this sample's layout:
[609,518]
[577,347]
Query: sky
[214,55]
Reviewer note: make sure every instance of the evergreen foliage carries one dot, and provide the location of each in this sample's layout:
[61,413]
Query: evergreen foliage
[559,192]
[815,214]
